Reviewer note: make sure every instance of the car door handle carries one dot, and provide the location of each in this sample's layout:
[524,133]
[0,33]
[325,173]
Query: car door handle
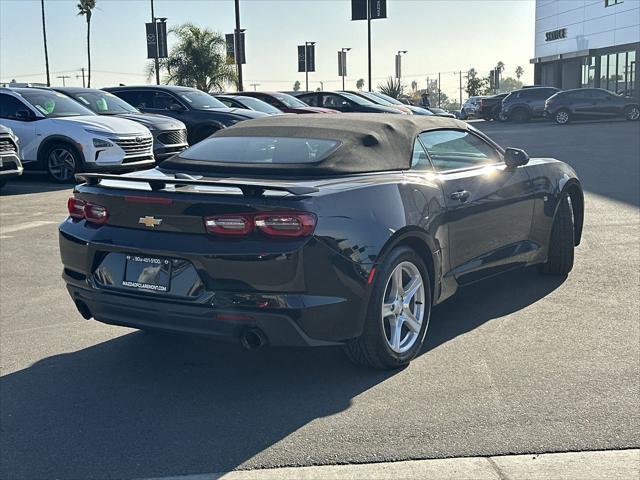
[462,195]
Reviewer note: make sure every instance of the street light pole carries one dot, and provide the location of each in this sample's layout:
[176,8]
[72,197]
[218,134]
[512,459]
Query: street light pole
[369,42]
[399,65]
[237,41]
[343,59]
[306,64]
[156,59]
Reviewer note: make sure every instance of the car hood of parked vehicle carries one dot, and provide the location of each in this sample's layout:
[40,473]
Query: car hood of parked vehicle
[241,112]
[108,124]
[311,110]
[153,121]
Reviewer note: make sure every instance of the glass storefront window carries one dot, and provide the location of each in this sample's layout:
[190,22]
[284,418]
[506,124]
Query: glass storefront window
[630,74]
[588,72]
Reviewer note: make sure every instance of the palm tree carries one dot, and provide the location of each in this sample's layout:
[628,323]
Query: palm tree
[519,72]
[46,52]
[414,86]
[85,8]
[360,84]
[500,66]
[392,87]
[198,60]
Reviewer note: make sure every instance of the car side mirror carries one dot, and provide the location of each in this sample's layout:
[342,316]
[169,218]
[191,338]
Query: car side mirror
[175,107]
[514,157]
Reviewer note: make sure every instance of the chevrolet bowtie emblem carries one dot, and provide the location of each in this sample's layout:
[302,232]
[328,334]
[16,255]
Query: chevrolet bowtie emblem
[150,222]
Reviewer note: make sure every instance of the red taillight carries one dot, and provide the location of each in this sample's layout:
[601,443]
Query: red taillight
[76,208]
[79,209]
[277,224]
[96,213]
[286,224]
[229,224]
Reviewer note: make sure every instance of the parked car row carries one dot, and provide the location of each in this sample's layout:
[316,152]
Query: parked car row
[67,130]
[560,106]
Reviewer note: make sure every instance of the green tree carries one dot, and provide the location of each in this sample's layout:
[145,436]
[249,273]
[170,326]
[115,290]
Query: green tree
[477,86]
[296,86]
[198,60]
[509,84]
[392,87]
[360,83]
[519,72]
[85,9]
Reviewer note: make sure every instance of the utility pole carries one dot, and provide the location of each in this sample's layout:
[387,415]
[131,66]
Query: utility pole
[238,43]
[79,76]
[63,77]
[156,59]
[254,85]
[460,76]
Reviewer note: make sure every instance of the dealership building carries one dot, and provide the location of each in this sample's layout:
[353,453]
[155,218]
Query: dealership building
[588,43]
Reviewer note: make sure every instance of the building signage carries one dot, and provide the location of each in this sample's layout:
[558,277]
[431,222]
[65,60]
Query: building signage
[376,9]
[555,35]
[156,39]
[310,58]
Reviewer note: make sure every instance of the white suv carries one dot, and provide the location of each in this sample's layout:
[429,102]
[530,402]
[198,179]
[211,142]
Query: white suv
[65,138]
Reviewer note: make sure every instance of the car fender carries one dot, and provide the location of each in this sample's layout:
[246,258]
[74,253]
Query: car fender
[44,144]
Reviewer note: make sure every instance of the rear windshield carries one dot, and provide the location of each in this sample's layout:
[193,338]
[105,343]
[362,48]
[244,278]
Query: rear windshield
[259,150]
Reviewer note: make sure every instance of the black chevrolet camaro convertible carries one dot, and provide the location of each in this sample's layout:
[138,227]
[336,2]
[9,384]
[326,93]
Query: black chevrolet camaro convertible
[316,230]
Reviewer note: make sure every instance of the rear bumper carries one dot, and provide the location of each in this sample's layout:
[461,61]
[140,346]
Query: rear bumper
[279,328]
[309,296]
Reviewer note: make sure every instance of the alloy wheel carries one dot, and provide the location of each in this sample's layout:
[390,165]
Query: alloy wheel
[403,307]
[61,164]
[562,117]
[634,113]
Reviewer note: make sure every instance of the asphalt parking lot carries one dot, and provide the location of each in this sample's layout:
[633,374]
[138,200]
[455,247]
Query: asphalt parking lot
[521,364]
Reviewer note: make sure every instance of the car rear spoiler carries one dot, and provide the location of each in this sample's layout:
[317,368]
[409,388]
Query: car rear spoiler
[248,188]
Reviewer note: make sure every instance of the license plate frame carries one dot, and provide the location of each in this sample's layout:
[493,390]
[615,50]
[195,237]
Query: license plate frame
[147,273]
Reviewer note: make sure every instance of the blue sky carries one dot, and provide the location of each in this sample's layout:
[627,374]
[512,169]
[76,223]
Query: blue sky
[440,36]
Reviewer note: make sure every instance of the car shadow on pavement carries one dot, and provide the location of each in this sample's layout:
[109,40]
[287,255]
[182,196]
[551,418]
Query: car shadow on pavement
[147,405]
[32,182]
[481,302]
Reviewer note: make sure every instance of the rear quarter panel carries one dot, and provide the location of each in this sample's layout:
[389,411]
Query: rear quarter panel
[550,179]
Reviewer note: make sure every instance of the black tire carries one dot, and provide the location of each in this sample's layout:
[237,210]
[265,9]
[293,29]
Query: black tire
[372,348]
[632,113]
[562,241]
[562,116]
[73,162]
[495,115]
[520,115]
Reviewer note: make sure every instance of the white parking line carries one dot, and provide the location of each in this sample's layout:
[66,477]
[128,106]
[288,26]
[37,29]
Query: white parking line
[22,226]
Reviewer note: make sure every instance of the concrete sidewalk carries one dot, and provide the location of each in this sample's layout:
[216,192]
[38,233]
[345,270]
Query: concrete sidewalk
[597,465]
